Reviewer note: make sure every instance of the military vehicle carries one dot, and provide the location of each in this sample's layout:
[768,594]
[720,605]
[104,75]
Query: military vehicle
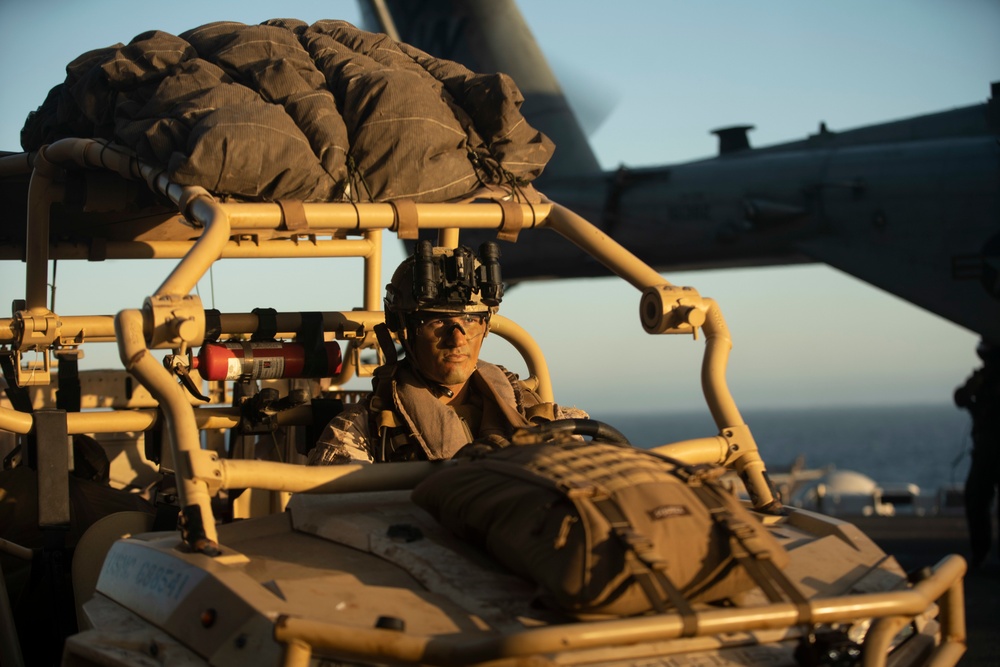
[214,544]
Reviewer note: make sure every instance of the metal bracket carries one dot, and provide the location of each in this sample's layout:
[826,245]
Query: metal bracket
[671,309]
[36,331]
[745,458]
[206,467]
[172,320]
[33,373]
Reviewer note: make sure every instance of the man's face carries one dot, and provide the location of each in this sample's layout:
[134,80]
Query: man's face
[446,348]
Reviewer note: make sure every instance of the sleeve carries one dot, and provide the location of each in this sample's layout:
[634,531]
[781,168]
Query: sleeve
[344,440]
[570,413]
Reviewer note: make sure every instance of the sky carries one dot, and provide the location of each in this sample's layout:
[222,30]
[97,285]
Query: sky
[672,70]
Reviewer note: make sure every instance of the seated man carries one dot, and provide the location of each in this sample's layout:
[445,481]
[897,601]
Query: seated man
[440,397]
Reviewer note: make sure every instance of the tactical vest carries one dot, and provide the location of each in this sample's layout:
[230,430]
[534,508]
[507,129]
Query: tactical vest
[408,423]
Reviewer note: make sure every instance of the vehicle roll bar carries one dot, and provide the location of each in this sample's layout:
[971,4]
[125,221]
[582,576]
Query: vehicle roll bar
[173,318]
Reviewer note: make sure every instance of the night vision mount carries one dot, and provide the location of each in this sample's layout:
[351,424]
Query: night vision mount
[451,280]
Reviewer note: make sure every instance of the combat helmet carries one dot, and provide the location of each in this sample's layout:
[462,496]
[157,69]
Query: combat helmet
[444,280]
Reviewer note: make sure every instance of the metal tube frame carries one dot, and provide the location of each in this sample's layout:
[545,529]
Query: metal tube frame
[221,221]
[201,473]
[893,610]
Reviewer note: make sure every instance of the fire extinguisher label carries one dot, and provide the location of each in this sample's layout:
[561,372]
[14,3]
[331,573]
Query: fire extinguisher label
[268,368]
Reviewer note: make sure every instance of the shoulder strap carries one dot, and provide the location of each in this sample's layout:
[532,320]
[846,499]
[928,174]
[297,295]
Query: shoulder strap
[381,411]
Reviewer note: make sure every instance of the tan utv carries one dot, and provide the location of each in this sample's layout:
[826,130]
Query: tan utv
[567,547]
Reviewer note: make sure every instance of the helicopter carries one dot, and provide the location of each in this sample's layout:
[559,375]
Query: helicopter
[909,206]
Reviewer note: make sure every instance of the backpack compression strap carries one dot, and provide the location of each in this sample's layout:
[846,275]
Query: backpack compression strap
[750,553]
[643,564]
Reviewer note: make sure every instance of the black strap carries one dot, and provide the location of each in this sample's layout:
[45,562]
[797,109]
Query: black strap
[267,324]
[385,342]
[68,395]
[310,336]
[393,441]
[213,325]
[18,396]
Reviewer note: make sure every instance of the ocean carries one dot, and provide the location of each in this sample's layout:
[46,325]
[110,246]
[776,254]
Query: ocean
[926,445]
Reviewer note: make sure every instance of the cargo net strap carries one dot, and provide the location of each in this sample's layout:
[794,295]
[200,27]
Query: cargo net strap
[513,220]
[293,216]
[406,219]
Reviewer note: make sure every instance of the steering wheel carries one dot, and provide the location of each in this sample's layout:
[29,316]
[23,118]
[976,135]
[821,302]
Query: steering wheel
[596,430]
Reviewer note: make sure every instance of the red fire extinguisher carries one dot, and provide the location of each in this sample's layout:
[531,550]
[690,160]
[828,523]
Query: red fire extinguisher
[266,360]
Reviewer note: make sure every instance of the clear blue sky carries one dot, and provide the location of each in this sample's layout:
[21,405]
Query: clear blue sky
[670,70]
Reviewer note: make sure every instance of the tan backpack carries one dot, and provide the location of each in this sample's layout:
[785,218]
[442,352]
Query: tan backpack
[607,529]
